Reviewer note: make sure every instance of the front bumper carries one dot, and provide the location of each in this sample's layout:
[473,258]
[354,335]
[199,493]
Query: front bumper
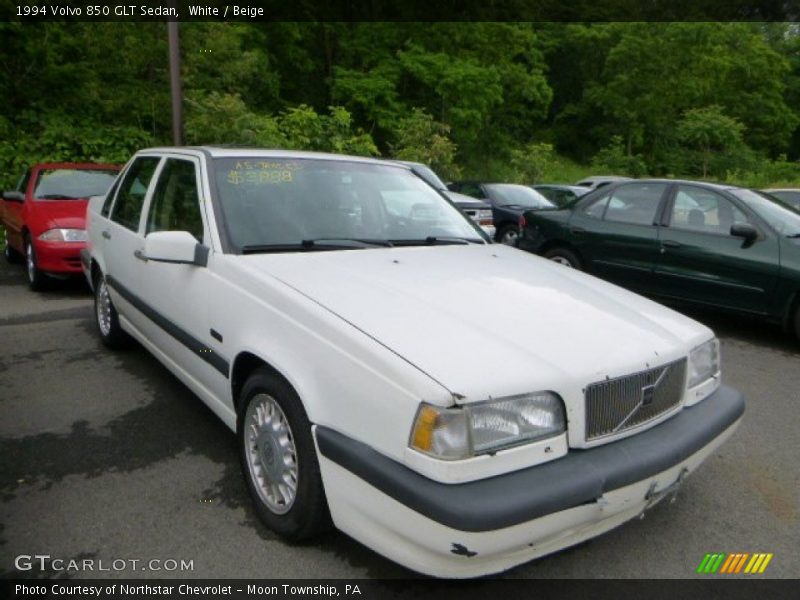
[486,526]
[59,257]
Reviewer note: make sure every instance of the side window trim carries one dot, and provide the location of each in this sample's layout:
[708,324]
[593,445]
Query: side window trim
[197,164]
[148,191]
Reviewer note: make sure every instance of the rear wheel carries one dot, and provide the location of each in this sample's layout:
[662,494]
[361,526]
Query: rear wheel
[11,255]
[37,280]
[106,317]
[508,235]
[564,256]
[279,459]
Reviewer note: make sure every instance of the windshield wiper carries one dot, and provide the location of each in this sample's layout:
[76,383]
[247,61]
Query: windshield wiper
[59,197]
[316,244]
[433,240]
[793,235]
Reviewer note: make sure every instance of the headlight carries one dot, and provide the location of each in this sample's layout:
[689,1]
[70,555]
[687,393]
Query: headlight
[454,433]
[64,235]
[703,362]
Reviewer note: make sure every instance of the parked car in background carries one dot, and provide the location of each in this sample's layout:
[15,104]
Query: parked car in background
[559,194]
[689,241]
[480,212]
[790,196]
[44,217]
[341,340]
[598,181]
[508,201]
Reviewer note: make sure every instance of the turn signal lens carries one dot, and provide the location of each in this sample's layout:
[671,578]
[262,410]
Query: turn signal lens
[483,427]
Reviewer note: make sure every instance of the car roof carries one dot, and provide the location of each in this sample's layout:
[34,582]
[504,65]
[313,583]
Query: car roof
[77,165]
[251,152]
[708,184]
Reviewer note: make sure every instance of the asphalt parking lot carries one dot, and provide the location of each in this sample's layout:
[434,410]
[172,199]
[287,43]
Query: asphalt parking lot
[107,456]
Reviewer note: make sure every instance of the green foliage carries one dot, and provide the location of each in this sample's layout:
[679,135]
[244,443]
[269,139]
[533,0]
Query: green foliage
[532,162]
[614,159]
[707,130]
[421,139]
[61,138]
[466,97]
[226,119]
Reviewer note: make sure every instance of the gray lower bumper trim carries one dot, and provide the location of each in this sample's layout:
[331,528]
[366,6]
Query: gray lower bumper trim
[578,478]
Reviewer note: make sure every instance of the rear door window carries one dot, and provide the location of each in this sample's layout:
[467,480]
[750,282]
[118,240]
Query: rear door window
[635,203]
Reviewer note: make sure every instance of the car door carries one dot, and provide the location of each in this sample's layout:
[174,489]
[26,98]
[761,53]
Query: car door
[178,294]
[700,261]
[122,240]
[616,233]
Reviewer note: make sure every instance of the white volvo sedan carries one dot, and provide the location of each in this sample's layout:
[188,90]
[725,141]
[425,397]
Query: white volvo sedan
[458,406]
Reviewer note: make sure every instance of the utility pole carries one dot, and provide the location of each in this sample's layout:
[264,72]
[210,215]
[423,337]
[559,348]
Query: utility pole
[175,80]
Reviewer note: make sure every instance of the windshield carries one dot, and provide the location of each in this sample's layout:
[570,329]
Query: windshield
[780,217]
[73,184]
[283,204]
[509,194]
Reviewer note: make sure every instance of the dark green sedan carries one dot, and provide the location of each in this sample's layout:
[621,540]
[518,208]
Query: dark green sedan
[695,242]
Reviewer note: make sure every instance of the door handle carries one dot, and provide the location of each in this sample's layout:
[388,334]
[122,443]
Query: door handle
[140,255]
[671,244]
[577,230]
[106,235]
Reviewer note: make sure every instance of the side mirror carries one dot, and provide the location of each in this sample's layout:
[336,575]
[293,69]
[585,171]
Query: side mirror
[178,247]
[745,231]
[14,196]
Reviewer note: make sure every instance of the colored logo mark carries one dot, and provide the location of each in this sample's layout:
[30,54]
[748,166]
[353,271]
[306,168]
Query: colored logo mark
[739,562]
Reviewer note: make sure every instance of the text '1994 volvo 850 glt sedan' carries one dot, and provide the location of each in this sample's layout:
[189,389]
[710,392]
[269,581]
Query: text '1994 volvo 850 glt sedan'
[324,307]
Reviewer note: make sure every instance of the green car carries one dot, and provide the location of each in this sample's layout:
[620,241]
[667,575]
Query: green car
[687,241]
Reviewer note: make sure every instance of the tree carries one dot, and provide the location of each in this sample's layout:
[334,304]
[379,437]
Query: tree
[709,130]
[531,162]
[421,139]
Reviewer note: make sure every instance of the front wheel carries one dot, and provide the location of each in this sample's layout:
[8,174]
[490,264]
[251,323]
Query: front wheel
[279,459]
[564,256]
[508,235]
[106,317]
[37,280]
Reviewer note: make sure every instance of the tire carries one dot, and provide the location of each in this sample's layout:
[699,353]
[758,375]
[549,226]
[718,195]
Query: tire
[272,422]
[37,280]
[106,318]
[12,256]
[508,235]
[564,256]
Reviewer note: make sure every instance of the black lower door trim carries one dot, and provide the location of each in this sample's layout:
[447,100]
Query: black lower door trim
[184,337]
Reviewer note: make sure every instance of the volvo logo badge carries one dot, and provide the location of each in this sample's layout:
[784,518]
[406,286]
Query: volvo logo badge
[648,392]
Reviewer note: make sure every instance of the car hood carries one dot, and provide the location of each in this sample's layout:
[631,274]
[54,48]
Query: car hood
[69,214]
[487,321]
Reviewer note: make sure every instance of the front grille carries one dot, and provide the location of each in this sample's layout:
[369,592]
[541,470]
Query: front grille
[616,405]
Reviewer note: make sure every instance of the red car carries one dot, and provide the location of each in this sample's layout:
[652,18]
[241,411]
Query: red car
[45,217]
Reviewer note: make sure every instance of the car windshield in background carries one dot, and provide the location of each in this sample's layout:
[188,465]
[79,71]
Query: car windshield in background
[509,194]
[73,184]
[783,219]
[274,204]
